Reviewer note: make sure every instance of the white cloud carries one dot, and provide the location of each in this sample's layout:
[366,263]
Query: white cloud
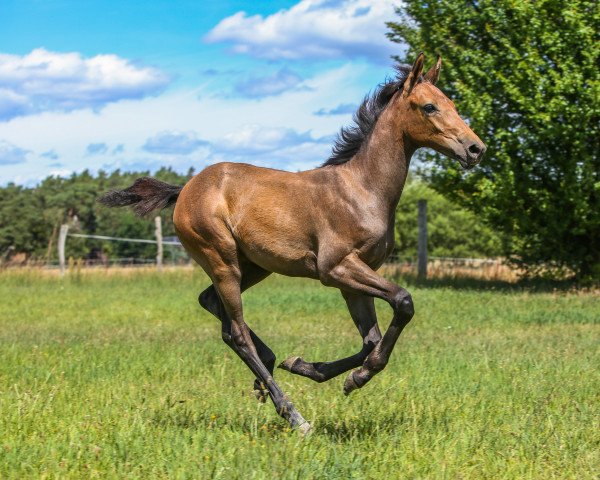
[51,81]
[281,81]
[11,154]
[179,143]
[272,147]
[315,29]
[60,172]
[257,139]
[12,104]
[210,117]
[259,144]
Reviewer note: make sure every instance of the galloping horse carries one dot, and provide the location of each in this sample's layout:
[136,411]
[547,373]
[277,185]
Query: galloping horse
[335,224]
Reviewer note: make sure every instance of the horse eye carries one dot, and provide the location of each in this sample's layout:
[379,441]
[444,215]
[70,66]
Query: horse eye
[429,108]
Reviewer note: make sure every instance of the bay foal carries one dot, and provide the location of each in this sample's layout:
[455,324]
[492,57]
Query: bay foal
[334,224]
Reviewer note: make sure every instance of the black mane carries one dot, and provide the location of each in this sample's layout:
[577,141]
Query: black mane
[351,138]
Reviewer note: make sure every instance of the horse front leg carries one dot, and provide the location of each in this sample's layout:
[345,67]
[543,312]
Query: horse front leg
[362,311]
[352,275]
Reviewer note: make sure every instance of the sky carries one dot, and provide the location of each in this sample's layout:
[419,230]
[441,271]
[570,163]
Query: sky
[137,85]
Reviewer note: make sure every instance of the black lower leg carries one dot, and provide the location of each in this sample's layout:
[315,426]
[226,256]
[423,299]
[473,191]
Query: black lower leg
[379,357]
[362,310]
[285,408]
[323,371]
[210,301]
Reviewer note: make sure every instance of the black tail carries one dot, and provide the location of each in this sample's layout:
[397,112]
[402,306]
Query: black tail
[145,195]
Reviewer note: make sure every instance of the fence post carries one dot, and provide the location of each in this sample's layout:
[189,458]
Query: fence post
[422,244]
[62,240]
[159,244]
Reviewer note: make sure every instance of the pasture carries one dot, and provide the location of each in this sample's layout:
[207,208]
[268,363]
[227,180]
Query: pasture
[106,375]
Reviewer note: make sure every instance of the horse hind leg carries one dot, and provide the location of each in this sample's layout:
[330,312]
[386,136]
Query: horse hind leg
[227,279]
[210,301]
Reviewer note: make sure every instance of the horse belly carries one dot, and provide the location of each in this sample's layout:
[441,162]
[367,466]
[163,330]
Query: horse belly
[283,249]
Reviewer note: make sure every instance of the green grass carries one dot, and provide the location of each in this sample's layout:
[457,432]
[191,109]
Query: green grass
[125,376]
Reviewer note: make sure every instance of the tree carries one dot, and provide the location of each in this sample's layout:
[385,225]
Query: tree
[452,230]
[526,75]
[30,217]
[22,227]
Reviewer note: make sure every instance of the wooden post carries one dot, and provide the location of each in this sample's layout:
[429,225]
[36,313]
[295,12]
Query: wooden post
[50,242]
[422,245]
[62,240]
[159,245]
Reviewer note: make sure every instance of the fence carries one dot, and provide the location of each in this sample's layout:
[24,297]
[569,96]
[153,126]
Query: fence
[159,242]
[423,265]
[454,268]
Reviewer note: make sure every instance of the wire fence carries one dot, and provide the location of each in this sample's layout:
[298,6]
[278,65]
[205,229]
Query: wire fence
[438,267]
[423,265]
[129,240]
[86,262]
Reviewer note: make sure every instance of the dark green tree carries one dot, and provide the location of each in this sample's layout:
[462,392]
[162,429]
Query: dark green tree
[30,217]
[452,230]
[23,227]
[526,76]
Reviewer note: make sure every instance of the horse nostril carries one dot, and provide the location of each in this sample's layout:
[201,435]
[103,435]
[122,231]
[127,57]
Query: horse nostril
[474,149]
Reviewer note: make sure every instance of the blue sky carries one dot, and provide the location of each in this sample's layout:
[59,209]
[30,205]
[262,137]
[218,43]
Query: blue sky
[139,85]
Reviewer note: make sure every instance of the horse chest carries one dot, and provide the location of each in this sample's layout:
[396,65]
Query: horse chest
[380,246]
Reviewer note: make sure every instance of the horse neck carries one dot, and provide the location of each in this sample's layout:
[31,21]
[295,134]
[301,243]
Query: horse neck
[381,166]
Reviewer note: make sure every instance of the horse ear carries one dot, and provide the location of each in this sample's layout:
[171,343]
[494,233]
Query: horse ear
[433,74]
[413,76]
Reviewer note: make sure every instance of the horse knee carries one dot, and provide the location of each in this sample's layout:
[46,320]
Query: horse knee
[403,305]
[331,275]
[327,278]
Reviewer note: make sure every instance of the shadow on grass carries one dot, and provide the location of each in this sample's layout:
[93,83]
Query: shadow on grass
[341,430]
[362,428]
[466,283]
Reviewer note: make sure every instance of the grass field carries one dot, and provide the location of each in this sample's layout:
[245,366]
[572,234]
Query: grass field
[105,376]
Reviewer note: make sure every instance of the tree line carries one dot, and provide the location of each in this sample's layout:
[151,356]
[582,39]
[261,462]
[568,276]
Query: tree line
[30,219]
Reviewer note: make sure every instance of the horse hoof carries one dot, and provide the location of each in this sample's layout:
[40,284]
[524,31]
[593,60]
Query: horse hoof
[305,429]
[288,363]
